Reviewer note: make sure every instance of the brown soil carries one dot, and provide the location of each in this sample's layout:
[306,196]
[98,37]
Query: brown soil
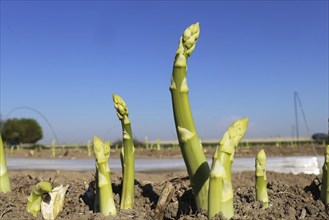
[291,196]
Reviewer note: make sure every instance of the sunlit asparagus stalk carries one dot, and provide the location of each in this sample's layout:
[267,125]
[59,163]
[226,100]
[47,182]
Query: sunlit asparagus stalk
[104,185]
[34,200]
[53,149]
[261,181]
[11,151]
[158,144]
[89,148]
[128,154]
[220,184]
[190,145]
[325,178]
[4,177]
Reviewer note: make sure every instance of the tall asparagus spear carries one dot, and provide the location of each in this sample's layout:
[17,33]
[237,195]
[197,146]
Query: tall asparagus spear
[325,178]
[261,181]
[4,177]
[127,154]
[220,185]
[104,184]
[190,145]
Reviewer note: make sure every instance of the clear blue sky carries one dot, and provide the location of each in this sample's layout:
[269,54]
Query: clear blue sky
[66,58]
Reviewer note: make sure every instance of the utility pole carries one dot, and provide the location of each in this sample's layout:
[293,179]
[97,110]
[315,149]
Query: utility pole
[296,115]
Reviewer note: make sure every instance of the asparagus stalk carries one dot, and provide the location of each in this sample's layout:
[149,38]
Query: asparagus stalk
[4,177]
[127,155]
[158,144]
[89,148]
[53,149]
[217,174]
[11,151]
[261,181]
[325,178]
[34,200]
[190,145]
[104,185]
[220,185]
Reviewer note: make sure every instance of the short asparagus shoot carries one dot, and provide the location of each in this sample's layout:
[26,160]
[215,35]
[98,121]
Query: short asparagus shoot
[34,200]
[4,177]
[53,149]
[104,184]
[190,145]
[11,151]
[89,148]
[127,155]
[158,144]
[220,184]
[261,181]
[325,178]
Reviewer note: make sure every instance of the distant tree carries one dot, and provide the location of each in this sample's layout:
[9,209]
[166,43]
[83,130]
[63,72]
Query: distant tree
[25,130]
[1,123]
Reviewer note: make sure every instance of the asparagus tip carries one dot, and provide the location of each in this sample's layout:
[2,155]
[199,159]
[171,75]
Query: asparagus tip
[120,106]
[237,130]
[261,156]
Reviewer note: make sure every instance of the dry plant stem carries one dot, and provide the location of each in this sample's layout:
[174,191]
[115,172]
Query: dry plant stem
[104,184]
[220,187]
[325,178]
[190,145]
[4,177]
[127,154]
[261,181]
[54,203]
[33,205]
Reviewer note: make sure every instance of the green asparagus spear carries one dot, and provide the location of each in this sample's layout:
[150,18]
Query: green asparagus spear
[53,148]
[220,186]
[105,194]
[261,181]
[190,145]
[4,177]
[127,154]
[89,148]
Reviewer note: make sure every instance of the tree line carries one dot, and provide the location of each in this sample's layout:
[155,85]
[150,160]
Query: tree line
[20,131]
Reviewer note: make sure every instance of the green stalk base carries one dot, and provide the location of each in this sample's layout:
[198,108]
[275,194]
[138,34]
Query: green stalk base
[191,148]
[106,200]
[261,190]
